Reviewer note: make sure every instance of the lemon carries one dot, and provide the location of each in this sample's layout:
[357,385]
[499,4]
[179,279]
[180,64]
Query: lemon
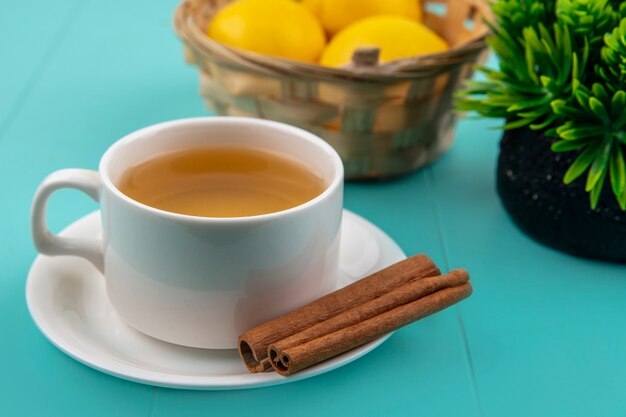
[315,6]
[397,37]
[280,28]
[338,14]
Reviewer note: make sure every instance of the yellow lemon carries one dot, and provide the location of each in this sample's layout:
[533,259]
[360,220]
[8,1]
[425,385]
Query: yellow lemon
[280,28]
[315,6]
[338,14]
[397,37]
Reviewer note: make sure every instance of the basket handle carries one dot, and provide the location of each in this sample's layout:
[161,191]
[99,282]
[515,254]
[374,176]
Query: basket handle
[366,56]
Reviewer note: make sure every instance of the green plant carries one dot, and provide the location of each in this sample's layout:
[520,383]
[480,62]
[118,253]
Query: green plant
[562,70]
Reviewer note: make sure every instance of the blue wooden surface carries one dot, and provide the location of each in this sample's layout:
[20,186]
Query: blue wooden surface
[543,335]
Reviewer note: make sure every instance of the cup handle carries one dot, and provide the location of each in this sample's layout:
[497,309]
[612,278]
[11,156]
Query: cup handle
[48,243]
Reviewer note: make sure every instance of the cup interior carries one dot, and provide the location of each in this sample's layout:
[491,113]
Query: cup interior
[306,148]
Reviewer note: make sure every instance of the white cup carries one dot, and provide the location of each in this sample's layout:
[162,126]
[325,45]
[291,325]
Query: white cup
[201,281]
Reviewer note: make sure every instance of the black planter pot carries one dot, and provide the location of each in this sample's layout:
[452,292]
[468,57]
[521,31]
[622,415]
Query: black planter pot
[530,184]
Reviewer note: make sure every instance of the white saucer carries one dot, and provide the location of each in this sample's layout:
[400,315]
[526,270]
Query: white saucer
[67,300]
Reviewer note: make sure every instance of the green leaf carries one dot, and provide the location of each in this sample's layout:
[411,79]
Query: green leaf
[499,99]
[532,39]
[622,200]
[546,40]
[617,170]
[618,104]
[525,105]
[600,92]
[562,108]
[594,196]
[569,145]
[580,164]
[575,80]
[545,81]
[599,110]
[546,122]
[530,66]
[525,89]
[565,126]
[583,98]
[517,124]
[533,115]
[599,166]
[478,87]
[551,133]
[582,132]
[610,41]
[584,60]
[565,46]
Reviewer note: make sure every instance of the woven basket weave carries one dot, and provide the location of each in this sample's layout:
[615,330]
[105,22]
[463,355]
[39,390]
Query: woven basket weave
[383,120]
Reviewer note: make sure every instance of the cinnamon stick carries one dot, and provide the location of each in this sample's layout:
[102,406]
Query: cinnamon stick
[253,344]
[295,358]
[402,295]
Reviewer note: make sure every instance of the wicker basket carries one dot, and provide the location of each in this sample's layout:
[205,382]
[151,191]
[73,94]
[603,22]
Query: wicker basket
[383,120]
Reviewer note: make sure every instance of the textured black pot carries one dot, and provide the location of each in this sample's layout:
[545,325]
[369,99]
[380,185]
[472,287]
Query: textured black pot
[530,184]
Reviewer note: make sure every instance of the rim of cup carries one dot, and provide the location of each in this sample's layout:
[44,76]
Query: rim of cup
[290,130]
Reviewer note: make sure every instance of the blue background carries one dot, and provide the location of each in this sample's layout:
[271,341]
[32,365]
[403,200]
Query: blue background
[543,334]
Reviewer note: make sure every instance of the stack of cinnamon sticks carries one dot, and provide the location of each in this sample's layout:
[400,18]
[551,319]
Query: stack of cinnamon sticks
[352,316]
